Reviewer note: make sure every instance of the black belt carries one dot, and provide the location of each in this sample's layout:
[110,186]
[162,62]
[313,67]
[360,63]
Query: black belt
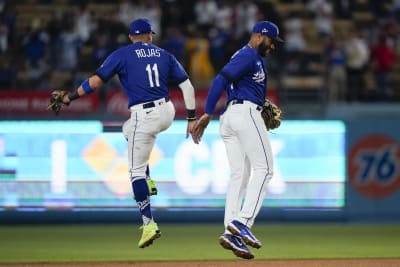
[237,101]
[153,103]
[241,101]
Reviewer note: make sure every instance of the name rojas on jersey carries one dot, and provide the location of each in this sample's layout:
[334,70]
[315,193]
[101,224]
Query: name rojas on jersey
[149,52]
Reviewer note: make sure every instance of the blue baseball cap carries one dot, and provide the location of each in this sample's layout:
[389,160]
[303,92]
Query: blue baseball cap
[140,26]
[269,29]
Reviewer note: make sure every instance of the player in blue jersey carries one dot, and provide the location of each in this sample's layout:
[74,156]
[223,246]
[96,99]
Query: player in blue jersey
[144,70]
[244,78]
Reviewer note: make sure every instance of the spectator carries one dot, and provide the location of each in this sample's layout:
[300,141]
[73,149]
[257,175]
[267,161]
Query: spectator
[197,48]
[205,12]
[357,57]
[35,43]
[383,58]
[396,10]
[336,70]
[224,16]
[294,34]
[218,52]
[344,8]
[8,75]
[68,46]
[54,28]
[101,49]
[295,45]
[126,12]
[323,11]
[247,14]
[173,14]
[3,37]
[84,25]
[391,29]
[175,43]
[10,18]
[378,9]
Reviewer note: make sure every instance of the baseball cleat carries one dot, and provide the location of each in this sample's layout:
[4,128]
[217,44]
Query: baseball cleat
[150,233]
[239,229]
[234,243]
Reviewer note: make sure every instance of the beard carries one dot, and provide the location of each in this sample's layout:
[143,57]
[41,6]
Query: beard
[262,50]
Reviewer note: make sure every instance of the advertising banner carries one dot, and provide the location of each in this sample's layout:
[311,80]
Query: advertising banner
[373,170]
[78,165]
[31,102]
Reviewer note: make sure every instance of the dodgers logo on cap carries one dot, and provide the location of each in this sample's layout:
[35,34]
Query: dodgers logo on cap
[269,29]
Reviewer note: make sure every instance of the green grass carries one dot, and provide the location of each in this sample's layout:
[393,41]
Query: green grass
[89,243]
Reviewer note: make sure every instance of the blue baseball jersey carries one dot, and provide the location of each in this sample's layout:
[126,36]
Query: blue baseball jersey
[247,76]
[144,70]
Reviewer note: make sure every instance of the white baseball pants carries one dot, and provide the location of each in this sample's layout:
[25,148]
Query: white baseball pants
[249,154]
[141,130]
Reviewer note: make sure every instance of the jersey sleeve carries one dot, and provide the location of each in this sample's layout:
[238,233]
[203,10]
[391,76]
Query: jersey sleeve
[238,66]
[217,87]
[111,66]
[177,72]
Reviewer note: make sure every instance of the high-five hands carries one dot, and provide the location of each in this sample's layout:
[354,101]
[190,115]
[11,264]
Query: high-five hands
[199,127]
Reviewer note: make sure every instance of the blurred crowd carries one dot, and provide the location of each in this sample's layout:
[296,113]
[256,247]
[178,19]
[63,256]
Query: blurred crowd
[72,40]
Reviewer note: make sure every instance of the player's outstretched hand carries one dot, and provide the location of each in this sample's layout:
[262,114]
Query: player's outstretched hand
[189,129]
[200,126]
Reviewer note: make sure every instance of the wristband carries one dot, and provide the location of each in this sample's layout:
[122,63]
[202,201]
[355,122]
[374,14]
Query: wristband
[191,118]
[191,115]
[86,87]
[73,96]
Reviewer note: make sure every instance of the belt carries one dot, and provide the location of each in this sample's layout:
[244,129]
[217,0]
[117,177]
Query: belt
[151,104]
[241,101]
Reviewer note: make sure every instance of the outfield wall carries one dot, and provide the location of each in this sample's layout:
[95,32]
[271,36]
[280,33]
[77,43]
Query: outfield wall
[75,171]
[373,169]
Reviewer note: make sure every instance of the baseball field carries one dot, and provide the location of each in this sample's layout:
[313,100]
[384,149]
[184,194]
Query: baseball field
[284,244]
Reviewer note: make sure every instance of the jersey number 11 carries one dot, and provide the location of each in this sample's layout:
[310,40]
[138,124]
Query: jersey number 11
[150,76]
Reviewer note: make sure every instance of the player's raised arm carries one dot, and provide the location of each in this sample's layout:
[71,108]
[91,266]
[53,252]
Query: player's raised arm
[60,98]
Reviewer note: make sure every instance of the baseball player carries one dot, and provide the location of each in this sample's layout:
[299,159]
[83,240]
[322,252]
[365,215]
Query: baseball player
[244,78]
[144,70]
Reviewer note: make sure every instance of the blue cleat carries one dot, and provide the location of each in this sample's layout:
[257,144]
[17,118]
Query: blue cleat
[239,229]
[234,243]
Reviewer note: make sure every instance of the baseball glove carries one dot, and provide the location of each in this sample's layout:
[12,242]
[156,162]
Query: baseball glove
[56,100]
[271,114]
